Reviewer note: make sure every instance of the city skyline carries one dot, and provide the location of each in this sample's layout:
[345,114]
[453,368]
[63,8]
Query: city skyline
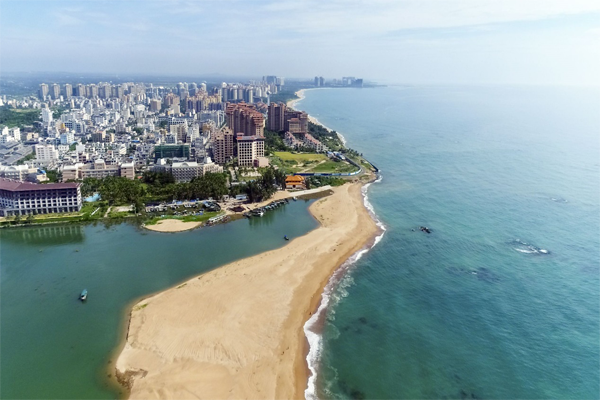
[549,42]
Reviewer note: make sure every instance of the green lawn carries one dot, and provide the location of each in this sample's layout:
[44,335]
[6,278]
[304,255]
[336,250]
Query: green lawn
[300,157]
[334,167]
[310,162]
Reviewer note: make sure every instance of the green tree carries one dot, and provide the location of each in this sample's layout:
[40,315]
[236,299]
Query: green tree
[17,219]
[139,207]
[54,175]
[30,218]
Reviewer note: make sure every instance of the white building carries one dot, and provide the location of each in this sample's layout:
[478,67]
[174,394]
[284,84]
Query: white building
[250,150]
[46,153]
[22,198]
[67,138]
[46,115]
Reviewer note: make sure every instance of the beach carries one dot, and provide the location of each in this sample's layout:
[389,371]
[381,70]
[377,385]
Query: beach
[301,95]
[237,331]
[172,225]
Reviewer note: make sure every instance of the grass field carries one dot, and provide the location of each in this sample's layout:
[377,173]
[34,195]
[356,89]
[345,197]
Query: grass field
[310,162]
[300,157]
[333,167]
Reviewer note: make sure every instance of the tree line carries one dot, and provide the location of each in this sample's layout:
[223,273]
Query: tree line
[161,186]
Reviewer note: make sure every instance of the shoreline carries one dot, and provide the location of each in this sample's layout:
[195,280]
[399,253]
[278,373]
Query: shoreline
[314,120]
[240,344]
[174,225]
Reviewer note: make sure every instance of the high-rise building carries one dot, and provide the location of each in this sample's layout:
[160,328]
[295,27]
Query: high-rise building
[119,91]
[249,150]
[321,81]
[105,91]
[170,100]
[223,145]
[245,119]
[43,91]
[80,90]
[281,118]
[55,91]
[68,91]
[316,81]
[276,117]
[154,105]
[92,91]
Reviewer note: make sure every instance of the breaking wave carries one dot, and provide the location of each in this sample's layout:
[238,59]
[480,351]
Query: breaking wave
[340,278]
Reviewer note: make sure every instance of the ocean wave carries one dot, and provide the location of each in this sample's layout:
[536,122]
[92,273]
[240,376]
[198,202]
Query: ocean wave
[314,324]
[527,248]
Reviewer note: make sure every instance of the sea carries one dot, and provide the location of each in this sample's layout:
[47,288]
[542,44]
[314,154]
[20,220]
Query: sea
[501,300]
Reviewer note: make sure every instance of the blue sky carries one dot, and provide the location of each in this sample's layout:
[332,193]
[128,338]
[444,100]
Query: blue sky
[392,41]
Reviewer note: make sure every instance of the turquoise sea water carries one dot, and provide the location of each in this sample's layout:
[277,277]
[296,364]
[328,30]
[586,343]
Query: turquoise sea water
[502,299]
[55,347]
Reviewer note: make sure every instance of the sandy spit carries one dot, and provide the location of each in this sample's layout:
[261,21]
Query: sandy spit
[172,225]
[236,332]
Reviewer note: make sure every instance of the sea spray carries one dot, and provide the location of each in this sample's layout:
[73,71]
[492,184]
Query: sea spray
[311,327]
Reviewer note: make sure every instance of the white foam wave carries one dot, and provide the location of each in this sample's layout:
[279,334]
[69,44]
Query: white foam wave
[314,338]
[529,248]
[526,251]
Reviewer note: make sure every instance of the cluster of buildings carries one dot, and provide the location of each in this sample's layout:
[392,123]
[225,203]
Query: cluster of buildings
[295,125]
[319,81]
[105,129]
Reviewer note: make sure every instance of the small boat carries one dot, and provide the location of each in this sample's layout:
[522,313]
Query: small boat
[294,198]
[286,238]
[83,295]
[425,229]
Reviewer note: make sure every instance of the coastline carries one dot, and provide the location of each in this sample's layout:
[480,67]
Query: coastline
[242,323]
[301,96]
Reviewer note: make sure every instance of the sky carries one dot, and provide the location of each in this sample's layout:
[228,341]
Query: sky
[387,41]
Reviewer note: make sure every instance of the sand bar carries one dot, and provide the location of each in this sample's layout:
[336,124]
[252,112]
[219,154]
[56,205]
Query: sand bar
[236,332]
[172,225]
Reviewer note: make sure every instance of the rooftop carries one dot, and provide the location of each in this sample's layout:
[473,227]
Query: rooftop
[18,186]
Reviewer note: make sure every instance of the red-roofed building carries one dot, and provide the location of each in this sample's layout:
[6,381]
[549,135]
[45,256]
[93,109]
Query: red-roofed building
[295,182]
[24,198]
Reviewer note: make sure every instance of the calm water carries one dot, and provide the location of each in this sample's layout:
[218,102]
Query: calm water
[502,299]
[55,347]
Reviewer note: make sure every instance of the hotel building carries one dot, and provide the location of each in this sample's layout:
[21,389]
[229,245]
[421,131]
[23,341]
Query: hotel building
[251,151]
[22,198]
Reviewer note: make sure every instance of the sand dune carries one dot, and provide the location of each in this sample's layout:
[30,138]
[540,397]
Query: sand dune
[236,332]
